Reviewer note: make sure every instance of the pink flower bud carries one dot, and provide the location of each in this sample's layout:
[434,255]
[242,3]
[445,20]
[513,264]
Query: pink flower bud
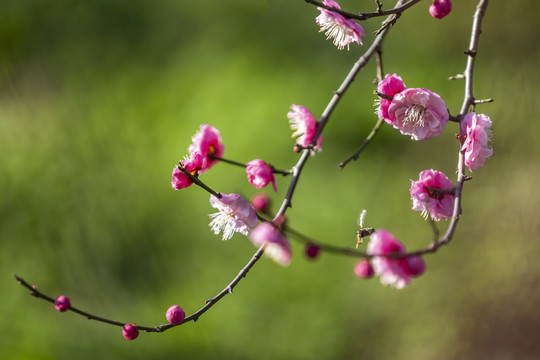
[276,245]
[261,202]
[130,331]
[62,303]
[363,269]
[260,174]
[312,251]
[417,265]
[175,315]
[440,8]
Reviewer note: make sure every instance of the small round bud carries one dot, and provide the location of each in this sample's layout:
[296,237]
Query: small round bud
[175,315]
[417,265]
[62,303]
[363,269]
[261,202]
[297,148]
[440,8]
[312,251]
[130,331]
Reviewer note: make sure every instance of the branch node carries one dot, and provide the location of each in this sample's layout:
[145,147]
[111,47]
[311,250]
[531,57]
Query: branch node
[455,77]
[470,52]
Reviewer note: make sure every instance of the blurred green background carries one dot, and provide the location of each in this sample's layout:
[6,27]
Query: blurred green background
[98,101]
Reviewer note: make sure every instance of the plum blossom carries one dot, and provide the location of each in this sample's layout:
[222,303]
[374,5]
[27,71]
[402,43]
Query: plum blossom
[440,8]
[390,86]
[420,113]
[430,202]
[207,142]
[392,271]
[304,125]
[344,30]
[260,174]
[192,164]
[476,128]
[276,245]
[235,215]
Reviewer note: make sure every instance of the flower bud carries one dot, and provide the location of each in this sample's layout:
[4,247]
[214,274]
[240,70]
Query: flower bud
[312,251]
[260,202]
[363,269]
[130,331]
[417,265]
[62,303]
[440,8]
[175,315]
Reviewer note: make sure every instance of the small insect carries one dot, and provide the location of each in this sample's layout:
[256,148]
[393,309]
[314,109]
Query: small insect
[362,232]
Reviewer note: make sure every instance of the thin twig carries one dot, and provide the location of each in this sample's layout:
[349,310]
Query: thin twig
[398,9]
[232,162]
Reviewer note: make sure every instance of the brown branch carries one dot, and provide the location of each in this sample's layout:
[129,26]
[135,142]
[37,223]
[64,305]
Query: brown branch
[398,9]
[159,328]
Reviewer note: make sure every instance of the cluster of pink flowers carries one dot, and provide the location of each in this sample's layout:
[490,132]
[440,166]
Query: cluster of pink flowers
[476,131]
[426,197]
[235,215]
[304,125]
[342,29]
[206,145]
[417,112]
[391,271]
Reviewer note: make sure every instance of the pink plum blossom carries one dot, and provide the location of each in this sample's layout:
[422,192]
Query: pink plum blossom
[235,215]
[438,205]
[192,164]
[175,315]
[440,8]
[390,85]
[62,303]
[130,331]
[276,245]
[344,30]
[392,271]
[418,112]
[304,125]
[207,142]
[363,269]
[476,128]
[260,174]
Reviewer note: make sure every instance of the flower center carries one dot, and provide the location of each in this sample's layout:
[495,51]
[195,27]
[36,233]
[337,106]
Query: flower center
[415,114]
[336,31]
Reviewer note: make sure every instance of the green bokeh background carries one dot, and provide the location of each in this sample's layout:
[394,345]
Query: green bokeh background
[99,99]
